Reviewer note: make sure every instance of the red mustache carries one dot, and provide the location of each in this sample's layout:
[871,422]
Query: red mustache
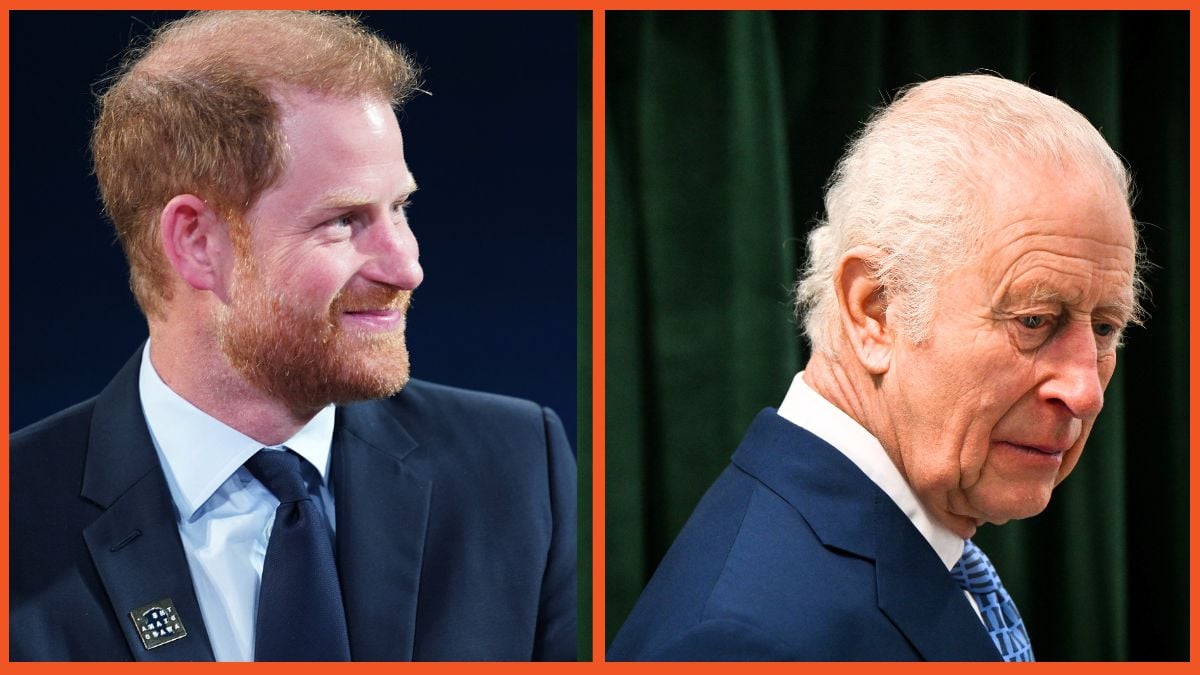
[372,298]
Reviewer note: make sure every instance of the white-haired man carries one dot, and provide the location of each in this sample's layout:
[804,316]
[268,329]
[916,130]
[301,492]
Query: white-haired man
[965,298]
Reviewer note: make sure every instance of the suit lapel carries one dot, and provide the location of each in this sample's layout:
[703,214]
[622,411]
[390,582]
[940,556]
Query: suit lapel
[135,547]
[921,598]
[135,543]
[850,513]
[382,514]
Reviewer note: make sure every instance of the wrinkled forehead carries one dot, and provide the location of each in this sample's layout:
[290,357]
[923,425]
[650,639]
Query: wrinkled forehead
[1085,201]
[1051,232]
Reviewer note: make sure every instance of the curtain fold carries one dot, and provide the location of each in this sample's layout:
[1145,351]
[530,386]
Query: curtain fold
[722,128]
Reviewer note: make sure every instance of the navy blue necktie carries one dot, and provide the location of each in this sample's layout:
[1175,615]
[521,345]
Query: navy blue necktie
[975,574]
[300,612]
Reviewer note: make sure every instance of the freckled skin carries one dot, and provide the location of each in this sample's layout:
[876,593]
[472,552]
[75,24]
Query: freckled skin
[338,146]
[991,412]
[317,315]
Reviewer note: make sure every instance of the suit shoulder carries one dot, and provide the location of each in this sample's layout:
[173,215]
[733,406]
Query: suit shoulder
[464,413]
[425,395]
[45,440]
[748,579]
[723,640]
[472,426]
[47,514]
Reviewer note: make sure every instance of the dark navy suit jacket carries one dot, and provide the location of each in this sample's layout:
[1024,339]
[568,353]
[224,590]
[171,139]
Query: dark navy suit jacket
[794,554]
[455,531]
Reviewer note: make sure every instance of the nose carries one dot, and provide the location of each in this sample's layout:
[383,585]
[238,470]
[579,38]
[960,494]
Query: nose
[392,255]
[1073,377]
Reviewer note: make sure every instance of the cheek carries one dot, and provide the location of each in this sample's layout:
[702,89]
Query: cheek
[308,278]
[934,418]
[1106,365]
[959,412]
[317,284]
[976,442]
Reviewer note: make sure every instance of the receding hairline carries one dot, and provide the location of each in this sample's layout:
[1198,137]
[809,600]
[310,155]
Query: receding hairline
[254,43]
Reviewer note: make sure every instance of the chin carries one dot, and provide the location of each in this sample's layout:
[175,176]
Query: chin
[1012,504]
[368,378]
[366,389]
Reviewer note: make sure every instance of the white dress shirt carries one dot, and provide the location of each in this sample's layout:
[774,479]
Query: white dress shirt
[225,514]
[805,408]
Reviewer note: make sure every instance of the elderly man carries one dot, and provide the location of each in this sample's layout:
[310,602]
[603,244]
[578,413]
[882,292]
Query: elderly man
[965,299]
[262,480]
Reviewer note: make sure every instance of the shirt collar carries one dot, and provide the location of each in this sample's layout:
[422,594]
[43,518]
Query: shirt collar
[199,452]
[804,407]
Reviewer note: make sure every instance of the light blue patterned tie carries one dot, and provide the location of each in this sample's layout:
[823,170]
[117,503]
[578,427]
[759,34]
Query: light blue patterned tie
[975,574]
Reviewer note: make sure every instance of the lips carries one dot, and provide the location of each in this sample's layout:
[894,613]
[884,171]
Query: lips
[1048,449]
[383,311]
[1044,449]
[373,320]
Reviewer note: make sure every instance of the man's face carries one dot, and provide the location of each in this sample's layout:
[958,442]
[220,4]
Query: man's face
[319,291]
[991,412]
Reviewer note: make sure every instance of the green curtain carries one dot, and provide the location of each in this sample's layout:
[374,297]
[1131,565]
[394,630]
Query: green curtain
[722,128]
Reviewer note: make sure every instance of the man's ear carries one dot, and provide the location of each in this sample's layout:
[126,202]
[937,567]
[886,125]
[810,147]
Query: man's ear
[863,302]
[195,240]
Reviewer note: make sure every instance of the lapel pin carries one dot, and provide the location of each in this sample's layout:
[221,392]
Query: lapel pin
[158,623]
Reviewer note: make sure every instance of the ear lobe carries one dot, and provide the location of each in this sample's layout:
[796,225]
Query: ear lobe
[864,302]
[195,240]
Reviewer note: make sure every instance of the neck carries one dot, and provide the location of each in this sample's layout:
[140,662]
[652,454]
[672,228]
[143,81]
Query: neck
[856,393]
[190,362]
[859,394]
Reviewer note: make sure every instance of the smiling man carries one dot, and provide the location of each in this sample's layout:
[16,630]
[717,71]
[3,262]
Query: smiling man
[965,298]
[262,481]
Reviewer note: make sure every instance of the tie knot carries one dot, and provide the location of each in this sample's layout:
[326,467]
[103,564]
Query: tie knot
[974,572]
[280,473]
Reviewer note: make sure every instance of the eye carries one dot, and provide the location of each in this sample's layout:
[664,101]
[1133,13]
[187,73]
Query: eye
[400,208]
[1034,321]
[1109,334]
[344,220]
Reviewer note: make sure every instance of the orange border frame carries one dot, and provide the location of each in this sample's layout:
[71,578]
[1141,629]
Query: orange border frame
[598,8]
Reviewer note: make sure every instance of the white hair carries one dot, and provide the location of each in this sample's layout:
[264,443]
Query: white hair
[910,185]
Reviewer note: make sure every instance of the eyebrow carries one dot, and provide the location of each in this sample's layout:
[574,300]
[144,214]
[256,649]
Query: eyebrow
[340,200]
[344,199]
[1125,306]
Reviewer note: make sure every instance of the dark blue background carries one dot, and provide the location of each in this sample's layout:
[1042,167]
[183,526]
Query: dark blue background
[494,149]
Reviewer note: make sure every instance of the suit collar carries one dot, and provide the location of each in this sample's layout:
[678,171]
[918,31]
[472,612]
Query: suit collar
[135,543]
[849,513]
[120,452]
[382,515]
[834,497]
